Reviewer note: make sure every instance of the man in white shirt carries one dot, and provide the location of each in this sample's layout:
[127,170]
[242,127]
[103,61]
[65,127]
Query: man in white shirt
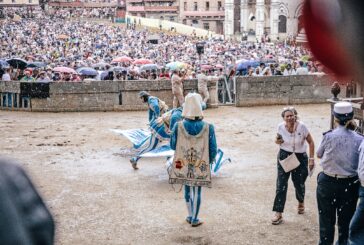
[177,89]
[202,81]
[6,76]
[301,70]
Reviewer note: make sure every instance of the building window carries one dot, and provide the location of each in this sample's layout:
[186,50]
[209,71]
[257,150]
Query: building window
[195,22]
[30,1]
[207,6]
[13,1]
[184,21]
[206,26]
[219,5]
[195,6]
[282,26]
[171,18]
[1,1]
[185,6]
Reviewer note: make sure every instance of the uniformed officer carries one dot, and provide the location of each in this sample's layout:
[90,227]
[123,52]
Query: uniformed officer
[337,185]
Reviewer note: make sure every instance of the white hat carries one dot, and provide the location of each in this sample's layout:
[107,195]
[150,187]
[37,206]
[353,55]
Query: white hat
[343,108]
[192,107]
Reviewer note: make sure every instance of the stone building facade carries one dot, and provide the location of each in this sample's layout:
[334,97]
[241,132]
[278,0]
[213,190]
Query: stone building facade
[155,9]
[208,15]
[258,18]
[205,14]
[18,3]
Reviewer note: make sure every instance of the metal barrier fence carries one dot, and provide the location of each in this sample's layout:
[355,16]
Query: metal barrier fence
[14,101]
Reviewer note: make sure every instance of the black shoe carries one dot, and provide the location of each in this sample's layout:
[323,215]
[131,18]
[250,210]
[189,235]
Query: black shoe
[134,163]
[198,223]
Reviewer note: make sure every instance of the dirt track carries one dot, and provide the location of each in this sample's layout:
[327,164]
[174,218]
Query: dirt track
[80,168]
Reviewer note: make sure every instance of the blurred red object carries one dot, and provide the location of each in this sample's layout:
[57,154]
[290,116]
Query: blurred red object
[323,40]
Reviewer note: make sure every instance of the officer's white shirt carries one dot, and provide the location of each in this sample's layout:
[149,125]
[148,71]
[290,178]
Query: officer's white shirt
[300,136]
[339,151]
[202,80]
[361,163]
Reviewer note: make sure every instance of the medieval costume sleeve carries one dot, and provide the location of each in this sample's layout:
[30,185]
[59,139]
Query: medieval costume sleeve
[154,111]
[174,134]
[176,117]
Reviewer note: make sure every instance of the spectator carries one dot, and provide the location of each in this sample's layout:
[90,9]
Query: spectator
[6,75]
[43,78]
[24,218]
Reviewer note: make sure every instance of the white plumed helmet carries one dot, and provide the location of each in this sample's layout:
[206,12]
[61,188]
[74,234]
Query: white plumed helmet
[192,107]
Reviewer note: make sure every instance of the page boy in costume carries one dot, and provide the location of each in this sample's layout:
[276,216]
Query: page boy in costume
[156,106]
[195,148]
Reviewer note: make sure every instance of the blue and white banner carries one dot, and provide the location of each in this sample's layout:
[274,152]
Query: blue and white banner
[139,136]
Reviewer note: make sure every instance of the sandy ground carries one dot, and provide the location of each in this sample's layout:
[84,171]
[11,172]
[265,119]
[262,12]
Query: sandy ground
[81,170]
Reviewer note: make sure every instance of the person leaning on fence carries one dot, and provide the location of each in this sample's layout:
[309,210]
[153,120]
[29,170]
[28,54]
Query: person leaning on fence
[6,75]
[292,137]
[337,184]
[195,148]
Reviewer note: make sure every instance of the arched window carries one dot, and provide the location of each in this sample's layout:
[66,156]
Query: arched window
[282,27]
[300,23]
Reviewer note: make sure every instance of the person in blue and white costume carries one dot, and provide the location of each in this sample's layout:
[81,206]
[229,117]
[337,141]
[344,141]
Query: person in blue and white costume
[193,141]
[337,184]
[160,131]
[156,106]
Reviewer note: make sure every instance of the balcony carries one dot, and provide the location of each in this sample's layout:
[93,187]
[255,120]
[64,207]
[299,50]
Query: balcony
[82,4]
[135,8]
[161,8]
[159,0]
[204,14]
[134,1]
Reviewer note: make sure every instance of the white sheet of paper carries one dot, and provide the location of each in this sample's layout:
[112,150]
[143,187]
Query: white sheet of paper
[310,172]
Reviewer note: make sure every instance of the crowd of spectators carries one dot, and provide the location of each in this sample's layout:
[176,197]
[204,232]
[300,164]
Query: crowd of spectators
[57,40]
